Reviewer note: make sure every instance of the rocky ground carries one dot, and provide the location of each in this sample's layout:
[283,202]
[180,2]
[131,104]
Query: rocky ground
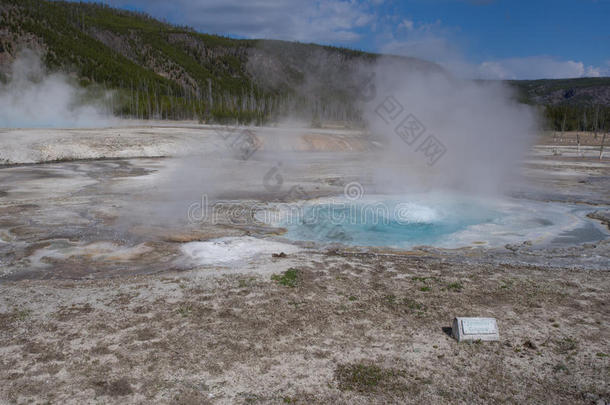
[331,327]
[94,309]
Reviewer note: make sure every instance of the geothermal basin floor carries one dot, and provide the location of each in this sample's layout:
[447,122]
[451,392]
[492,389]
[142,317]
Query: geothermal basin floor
[100,301]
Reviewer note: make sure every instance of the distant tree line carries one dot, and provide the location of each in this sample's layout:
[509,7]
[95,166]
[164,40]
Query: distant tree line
[594,118]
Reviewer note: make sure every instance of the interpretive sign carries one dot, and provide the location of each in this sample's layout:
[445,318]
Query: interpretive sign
[475,329]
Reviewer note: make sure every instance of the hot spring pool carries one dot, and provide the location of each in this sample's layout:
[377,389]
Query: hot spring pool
[442,220]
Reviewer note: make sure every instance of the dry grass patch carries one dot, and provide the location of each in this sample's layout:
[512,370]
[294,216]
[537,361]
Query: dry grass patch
[369,378]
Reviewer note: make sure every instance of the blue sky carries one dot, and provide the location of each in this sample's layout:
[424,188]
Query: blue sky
[501,39]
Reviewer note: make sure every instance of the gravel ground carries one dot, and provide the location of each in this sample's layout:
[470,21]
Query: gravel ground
[96,305]
[328,327]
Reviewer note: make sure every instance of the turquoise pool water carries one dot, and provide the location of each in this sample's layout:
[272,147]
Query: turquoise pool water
[441,220]
[387,223]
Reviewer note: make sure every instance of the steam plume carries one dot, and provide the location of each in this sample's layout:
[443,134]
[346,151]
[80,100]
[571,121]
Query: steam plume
[32,97]
[483,130]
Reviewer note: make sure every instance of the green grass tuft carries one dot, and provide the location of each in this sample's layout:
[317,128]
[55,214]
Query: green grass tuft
[289,278]
[457,286]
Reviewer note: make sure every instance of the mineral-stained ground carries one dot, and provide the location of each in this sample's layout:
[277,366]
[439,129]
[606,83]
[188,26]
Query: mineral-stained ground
[99,305]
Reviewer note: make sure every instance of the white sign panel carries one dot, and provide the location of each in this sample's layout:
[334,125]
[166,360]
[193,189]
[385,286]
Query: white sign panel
[475,329]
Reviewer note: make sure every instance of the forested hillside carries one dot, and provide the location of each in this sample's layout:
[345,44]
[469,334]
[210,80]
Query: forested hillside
[570,104]
[158,70]
[166,71]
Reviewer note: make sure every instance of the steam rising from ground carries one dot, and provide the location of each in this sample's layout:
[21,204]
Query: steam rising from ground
[34,98]
[483,131]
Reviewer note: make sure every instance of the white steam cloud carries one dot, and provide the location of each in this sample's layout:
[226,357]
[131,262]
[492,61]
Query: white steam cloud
[453,133]
[34,98]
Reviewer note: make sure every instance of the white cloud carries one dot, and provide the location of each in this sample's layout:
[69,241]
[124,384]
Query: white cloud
[406,24]
[437,43]
[537,67]
[324,21]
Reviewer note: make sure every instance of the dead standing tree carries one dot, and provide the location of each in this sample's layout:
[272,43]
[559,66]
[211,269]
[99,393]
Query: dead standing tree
[584,128]
[596,121]
[605,128]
